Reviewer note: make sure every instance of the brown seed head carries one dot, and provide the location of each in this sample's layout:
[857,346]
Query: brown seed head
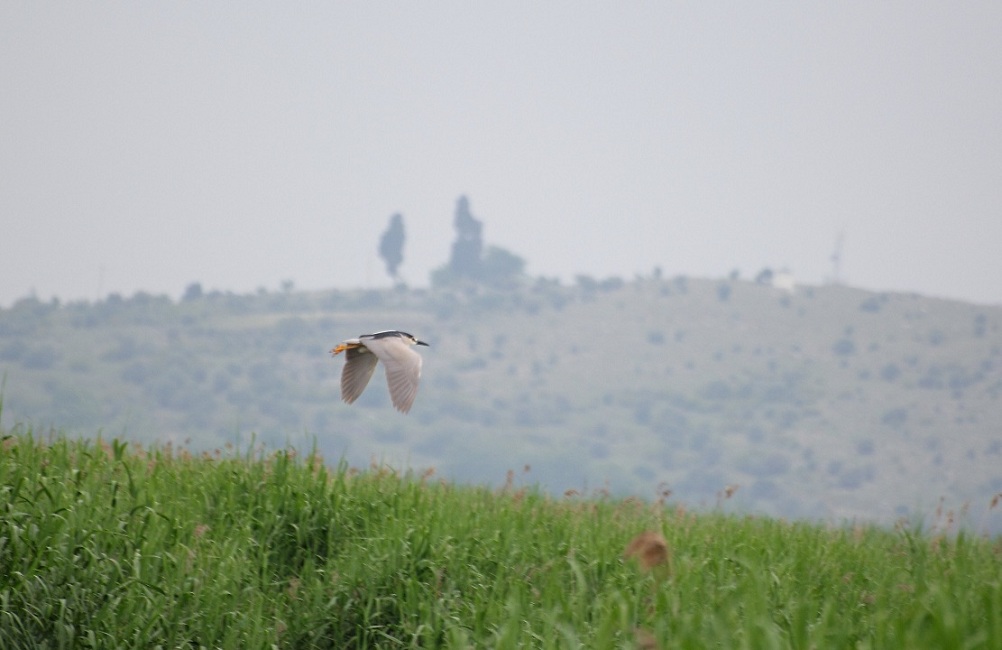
[649,548]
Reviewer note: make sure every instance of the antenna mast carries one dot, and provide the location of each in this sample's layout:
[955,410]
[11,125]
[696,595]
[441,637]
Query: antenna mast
[836,258]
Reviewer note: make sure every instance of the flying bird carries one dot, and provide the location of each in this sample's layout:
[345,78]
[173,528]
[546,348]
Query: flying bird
[395,350]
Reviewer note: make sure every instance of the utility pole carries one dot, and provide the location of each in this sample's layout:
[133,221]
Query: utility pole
[836,258]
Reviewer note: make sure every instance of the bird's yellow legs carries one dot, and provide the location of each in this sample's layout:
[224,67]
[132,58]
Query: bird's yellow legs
[341,347]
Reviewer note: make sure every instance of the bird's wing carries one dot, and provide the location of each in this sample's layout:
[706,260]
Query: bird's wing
[403,370]
[358,367]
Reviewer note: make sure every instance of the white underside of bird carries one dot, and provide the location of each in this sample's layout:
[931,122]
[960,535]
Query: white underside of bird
[395,349]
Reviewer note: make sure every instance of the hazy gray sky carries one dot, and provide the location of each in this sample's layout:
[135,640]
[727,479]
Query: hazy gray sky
[145,146]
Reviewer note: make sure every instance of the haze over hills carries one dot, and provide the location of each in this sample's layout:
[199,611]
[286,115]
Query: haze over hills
[820,402]
[272,144]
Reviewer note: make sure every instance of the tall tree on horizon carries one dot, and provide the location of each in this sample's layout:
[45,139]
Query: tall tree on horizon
[470,262]
[466,260]
[391,246]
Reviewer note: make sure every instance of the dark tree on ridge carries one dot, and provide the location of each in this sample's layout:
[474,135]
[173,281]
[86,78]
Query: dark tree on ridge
[391,245]
[470,263]
[467,249]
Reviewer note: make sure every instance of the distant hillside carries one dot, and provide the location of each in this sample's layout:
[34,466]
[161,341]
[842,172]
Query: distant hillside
[824,402]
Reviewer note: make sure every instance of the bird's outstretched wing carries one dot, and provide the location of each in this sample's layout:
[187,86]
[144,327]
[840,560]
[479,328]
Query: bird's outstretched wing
[358,368]
[403,372]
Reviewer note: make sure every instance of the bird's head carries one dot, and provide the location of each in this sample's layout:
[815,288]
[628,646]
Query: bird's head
[413,341]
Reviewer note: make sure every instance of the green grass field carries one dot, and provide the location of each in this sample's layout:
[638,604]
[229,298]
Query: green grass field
[110,545]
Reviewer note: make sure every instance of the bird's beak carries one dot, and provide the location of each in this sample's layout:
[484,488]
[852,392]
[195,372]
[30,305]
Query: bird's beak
[416,342]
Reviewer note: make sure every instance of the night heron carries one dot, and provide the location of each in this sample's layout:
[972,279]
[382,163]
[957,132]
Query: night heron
[394,349]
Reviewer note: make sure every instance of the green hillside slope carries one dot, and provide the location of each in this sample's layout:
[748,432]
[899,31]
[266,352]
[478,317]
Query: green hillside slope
[826,402]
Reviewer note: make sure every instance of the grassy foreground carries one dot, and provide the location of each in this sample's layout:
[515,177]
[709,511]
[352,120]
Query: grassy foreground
[108,545]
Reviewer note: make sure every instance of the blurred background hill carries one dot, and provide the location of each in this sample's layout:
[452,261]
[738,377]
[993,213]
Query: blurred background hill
[820,402]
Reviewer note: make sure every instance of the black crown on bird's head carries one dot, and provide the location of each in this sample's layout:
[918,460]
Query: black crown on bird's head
[394,333]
